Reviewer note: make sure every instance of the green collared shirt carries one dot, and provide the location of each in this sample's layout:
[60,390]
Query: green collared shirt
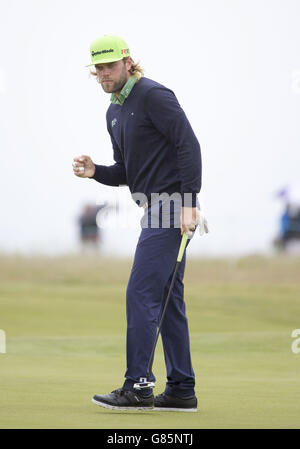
[125,91]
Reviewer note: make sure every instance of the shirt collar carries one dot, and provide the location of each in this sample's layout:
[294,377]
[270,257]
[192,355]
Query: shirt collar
[125,91]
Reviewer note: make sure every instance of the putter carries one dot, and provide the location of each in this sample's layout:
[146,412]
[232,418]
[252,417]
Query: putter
[147,383]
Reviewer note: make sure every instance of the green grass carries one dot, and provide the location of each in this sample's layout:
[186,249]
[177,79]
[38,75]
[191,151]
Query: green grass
[65,325]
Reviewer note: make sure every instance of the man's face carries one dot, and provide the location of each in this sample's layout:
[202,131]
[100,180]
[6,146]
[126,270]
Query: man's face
[113,75]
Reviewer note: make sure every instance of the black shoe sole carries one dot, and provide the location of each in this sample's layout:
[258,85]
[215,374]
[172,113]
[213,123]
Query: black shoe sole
[117,407]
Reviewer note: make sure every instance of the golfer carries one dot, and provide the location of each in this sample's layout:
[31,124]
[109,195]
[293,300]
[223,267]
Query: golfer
[158,157]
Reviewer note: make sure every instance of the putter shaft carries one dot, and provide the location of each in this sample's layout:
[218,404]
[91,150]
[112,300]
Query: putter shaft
[179,258]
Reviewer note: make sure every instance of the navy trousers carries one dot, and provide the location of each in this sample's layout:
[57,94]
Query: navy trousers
[150,278]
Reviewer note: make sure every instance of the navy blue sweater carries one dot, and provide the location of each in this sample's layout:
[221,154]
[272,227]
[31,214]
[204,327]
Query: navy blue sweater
[155,149]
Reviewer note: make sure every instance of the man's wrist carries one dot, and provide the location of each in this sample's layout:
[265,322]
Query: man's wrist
[94,175]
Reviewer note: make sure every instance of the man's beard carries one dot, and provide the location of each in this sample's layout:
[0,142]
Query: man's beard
[115,86]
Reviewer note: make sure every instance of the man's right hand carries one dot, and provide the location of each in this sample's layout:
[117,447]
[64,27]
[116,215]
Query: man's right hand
[83,167]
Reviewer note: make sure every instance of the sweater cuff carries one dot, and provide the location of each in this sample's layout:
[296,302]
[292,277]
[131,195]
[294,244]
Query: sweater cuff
[189,199]
[97,174]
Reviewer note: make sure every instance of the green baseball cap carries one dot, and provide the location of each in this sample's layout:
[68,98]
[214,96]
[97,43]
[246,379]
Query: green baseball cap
[108,49]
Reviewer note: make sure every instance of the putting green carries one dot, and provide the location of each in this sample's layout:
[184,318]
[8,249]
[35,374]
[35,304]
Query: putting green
[65,326]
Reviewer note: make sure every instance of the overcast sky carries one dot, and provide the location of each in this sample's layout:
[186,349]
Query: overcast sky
[234,66]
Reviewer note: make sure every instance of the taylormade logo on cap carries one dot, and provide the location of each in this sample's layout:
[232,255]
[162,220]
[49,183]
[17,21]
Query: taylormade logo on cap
[94,53]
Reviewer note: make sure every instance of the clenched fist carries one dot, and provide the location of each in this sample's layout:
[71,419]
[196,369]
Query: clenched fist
[83,167]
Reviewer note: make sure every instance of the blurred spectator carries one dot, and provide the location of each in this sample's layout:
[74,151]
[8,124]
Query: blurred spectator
[290,218]
[90,235]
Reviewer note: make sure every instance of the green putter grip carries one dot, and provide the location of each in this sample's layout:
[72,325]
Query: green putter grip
[182,247]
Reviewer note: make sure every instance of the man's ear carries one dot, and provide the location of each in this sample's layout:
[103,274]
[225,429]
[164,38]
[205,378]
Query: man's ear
[129,63]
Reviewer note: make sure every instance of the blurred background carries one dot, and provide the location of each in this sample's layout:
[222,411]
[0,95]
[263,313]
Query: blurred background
[235,69]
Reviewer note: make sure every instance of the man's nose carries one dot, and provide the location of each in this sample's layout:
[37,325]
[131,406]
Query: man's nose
[105,71]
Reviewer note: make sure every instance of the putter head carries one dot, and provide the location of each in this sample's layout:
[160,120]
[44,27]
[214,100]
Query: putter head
[143,385]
